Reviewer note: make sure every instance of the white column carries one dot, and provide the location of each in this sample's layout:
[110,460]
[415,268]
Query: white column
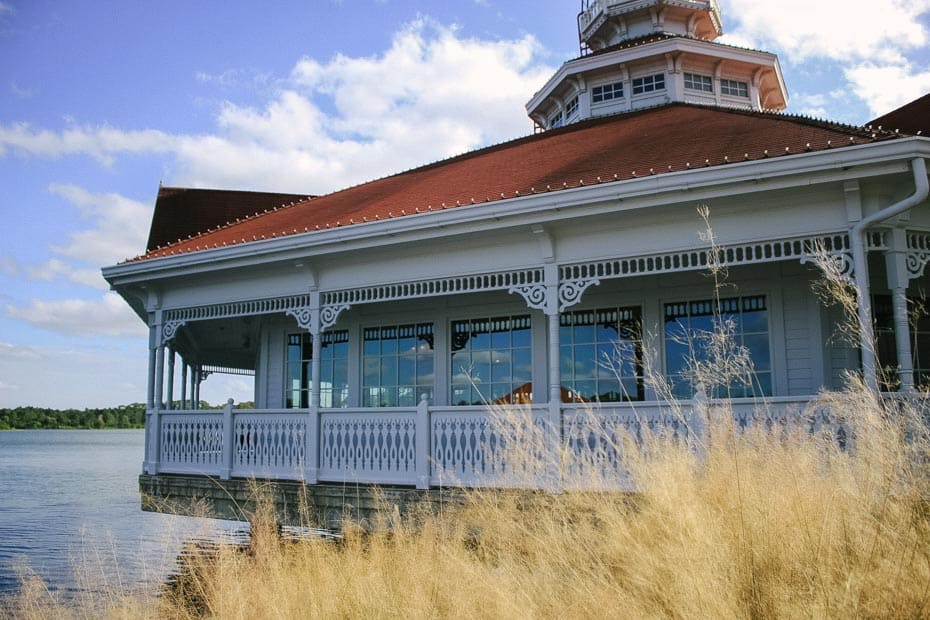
[153,344]
[896,266]
[311,467]
[193,387]
[159,373]
[150,465]
[183,383]
[555,377]
[170,397]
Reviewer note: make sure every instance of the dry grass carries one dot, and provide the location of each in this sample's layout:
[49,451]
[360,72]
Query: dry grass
[756,524]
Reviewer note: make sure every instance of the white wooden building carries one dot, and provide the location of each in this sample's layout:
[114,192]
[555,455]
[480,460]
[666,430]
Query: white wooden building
[545,271]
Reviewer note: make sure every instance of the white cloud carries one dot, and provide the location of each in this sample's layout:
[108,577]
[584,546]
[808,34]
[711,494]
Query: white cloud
[432,94]
[54,268]
[119,226]
[101,142]
[887,87]
[106,316]
[13,352]
[5,8]
[857,30]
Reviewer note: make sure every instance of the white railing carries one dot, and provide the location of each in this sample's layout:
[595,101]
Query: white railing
[574,445]
[372,446]
[472,446]
[269,444]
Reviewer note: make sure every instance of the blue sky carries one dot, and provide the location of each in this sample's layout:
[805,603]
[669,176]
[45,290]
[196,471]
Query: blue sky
[100,101]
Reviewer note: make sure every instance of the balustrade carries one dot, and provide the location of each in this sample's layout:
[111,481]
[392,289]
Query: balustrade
[457,446]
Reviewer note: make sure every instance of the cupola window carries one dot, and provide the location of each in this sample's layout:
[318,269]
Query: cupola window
[734,88]
[704,83]
[648,84]
[606,92]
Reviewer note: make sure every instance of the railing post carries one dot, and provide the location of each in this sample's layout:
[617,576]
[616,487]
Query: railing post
[229,446]
[423,443]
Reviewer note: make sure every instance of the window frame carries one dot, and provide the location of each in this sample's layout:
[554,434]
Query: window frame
[328,366]
[757,389]
[705,83]
[419,332]
[483,392]
[627,318]
[727,88]
[652,83]
[607,92]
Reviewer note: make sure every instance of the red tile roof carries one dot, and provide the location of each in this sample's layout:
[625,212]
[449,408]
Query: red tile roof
[181,213]
[673,137]
[911,118]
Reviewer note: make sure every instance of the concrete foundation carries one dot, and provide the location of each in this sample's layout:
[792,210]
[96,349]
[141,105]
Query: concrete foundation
[327,506]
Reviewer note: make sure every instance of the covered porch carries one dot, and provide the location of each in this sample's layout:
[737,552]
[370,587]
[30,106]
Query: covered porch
[324,414]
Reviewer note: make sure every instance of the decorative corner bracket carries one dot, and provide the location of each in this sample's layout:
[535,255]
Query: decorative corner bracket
[570,291]
[835,264]
[170,329]
[533,294]
[304,317]
[330,314]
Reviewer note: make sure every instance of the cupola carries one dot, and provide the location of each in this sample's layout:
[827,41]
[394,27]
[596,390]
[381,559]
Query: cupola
[643,53]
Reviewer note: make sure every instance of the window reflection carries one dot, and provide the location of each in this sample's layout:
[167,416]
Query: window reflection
[601,355]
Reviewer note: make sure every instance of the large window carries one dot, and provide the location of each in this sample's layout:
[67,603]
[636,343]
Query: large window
[606,92]
[704,83]
[886,347]
[492,361]
[734,88]
[334,370]
[649,84]
[601,355]
[690,329]
[398,365]
[555,120]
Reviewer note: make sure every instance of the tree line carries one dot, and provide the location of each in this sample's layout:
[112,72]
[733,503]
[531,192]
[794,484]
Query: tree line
[124,416]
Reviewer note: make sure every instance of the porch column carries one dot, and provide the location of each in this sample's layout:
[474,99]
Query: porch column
[153,340]
[183,383]
[159,373]
[312,466]
[150,465]
[555,376]
[197,387]
[896,266]
[169,405]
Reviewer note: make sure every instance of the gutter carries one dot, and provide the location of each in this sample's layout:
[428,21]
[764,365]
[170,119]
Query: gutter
[861,267]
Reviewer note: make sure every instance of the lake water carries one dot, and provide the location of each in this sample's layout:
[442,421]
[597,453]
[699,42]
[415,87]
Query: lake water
[69,512]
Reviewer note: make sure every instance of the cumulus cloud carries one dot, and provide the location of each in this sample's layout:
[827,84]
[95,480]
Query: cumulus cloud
[887,87]
[118,226]
[106,316]
[868,42]
[102,143]
[334,123]
[860,29]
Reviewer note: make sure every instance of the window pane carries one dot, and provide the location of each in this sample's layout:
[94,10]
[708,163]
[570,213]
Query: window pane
[406,371]
[522,366]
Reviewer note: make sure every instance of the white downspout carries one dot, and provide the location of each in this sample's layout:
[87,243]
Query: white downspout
[861,267]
